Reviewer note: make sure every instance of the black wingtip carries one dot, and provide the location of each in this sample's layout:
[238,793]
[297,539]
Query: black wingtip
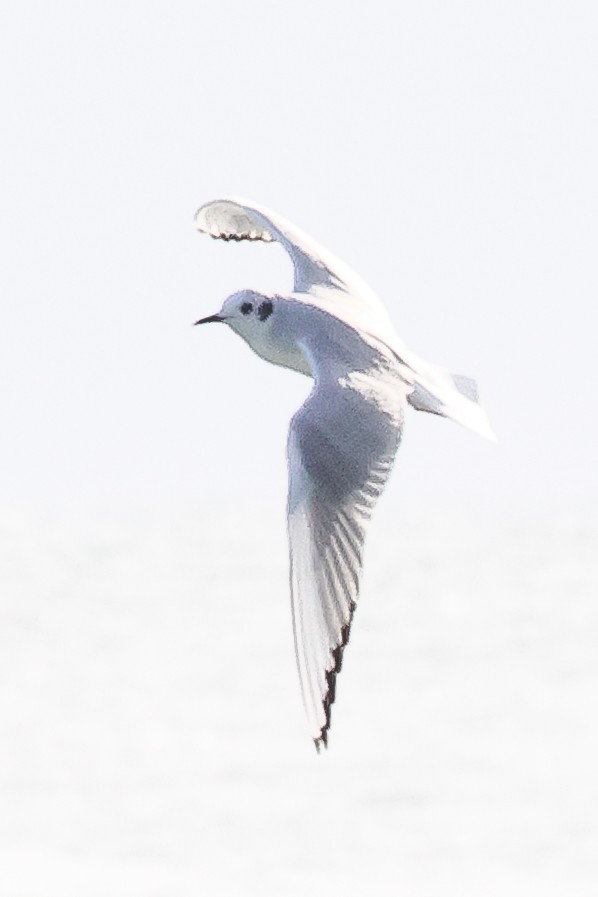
[321,741]
[337,656]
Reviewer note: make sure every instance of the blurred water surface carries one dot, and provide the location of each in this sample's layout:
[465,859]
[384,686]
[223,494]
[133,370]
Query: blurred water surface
[152,742]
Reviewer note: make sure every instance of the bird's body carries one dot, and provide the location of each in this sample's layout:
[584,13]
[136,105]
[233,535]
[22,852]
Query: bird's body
[343,440]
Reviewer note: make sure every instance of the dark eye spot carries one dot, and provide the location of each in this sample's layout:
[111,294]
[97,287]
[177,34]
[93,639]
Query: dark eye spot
[246,308]
[264,310]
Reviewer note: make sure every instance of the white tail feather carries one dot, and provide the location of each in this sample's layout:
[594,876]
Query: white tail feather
[437,391]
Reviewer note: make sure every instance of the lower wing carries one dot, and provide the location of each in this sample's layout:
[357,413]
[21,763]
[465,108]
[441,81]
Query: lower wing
[342,445]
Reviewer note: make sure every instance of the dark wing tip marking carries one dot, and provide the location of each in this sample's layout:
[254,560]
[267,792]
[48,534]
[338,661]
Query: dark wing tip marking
[331,674]
[238,237]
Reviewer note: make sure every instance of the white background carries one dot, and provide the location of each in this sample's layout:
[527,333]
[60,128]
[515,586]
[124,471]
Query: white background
[151,739]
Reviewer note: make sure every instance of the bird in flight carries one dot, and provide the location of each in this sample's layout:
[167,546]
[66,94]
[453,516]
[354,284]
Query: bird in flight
[342,442]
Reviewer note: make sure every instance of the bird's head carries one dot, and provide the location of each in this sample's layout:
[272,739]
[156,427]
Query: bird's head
[247,313]
[263,323]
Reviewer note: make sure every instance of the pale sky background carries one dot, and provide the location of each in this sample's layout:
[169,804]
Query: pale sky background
[152,739]
[447,151]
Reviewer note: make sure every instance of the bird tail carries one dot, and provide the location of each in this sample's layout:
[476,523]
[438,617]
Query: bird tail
[437,391]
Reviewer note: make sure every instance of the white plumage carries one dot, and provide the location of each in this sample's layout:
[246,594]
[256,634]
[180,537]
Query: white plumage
[343,440]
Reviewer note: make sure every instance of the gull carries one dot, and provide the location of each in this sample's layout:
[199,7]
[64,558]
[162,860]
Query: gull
[342,442]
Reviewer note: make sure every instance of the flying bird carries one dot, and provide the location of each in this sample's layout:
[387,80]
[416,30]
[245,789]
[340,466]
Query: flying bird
[342,442]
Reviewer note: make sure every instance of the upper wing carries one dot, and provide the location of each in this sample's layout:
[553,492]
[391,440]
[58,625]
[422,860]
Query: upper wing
[236,219]
[316,269]
[342,444]
[333,287]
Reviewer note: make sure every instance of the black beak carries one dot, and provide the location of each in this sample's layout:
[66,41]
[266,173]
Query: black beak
[209,320]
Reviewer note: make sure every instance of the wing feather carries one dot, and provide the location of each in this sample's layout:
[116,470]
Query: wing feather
[317,270]
[331,499]
[237,219]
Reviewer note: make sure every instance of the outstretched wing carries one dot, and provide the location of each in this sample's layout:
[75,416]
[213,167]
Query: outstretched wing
[341,448]
[315,267]
[333,287]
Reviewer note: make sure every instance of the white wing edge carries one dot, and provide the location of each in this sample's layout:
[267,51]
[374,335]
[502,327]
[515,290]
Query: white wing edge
[235,218]
[325,573]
